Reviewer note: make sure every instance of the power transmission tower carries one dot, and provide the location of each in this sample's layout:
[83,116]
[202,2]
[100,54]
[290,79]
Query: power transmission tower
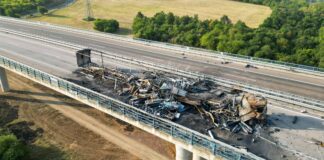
[89,13]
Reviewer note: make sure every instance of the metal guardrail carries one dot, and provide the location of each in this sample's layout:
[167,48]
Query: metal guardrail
[239,58]
[178,132]
[271,94]
[181,48]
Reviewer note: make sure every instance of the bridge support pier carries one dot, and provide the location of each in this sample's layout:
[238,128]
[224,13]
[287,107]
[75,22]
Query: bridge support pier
[182,154]
[197,157]
[3,80]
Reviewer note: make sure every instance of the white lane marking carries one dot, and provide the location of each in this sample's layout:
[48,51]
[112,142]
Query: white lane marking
[153,58]
[240,77]
[96,45]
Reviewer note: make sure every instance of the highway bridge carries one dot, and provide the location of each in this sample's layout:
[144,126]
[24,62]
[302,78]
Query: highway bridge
[55,59]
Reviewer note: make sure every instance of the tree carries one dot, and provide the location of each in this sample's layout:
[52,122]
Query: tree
[303,42]
[16,8]
[225,20]
[110,26]
[265,52]
[321,63]
[306,56]
[10,12]
[210,39]
[42,9]
[2,11]
[138,23]
[289,34]
[11,148]
[320,49]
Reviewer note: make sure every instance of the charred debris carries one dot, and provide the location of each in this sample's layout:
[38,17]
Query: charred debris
[169,96]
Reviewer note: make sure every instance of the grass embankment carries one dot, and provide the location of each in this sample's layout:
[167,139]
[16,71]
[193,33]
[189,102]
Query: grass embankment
[125,11]
[37,147]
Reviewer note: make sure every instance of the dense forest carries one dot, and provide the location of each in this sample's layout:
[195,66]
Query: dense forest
[293,33]
[16,8]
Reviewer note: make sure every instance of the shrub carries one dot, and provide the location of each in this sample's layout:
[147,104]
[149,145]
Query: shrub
[103,25]
[42,9]
[11,148]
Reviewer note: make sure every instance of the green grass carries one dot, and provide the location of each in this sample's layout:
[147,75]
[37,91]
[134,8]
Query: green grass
[125,10]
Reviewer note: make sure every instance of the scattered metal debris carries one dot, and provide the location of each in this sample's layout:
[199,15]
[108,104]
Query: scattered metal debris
[316,142]
[303,111]
[250,66]
[169,97]
[224,62]
[295,120]
[210,132]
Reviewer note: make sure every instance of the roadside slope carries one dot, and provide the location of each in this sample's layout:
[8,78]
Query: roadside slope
[70,109]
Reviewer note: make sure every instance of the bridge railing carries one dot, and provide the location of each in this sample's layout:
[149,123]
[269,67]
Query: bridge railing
[181,48]
[178,132]
[236,57]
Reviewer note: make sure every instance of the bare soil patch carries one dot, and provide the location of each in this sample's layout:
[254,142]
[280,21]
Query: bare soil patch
[41,107]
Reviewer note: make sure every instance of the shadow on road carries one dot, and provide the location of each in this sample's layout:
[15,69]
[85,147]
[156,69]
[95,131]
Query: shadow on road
[296,122]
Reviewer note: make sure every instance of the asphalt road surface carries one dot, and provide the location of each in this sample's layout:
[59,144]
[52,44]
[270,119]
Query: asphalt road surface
[296,83]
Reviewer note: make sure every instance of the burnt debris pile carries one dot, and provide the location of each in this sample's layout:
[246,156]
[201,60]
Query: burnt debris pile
[169,96]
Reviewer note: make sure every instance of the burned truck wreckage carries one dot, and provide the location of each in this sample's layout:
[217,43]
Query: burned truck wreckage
[229,115]
[172,97]
[198,104]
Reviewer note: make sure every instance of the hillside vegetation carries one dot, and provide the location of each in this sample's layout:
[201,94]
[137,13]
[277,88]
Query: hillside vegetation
[124,11]
[17,8]
[293,33]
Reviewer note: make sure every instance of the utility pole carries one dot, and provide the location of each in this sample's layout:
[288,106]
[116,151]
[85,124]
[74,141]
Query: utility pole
[89,13]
